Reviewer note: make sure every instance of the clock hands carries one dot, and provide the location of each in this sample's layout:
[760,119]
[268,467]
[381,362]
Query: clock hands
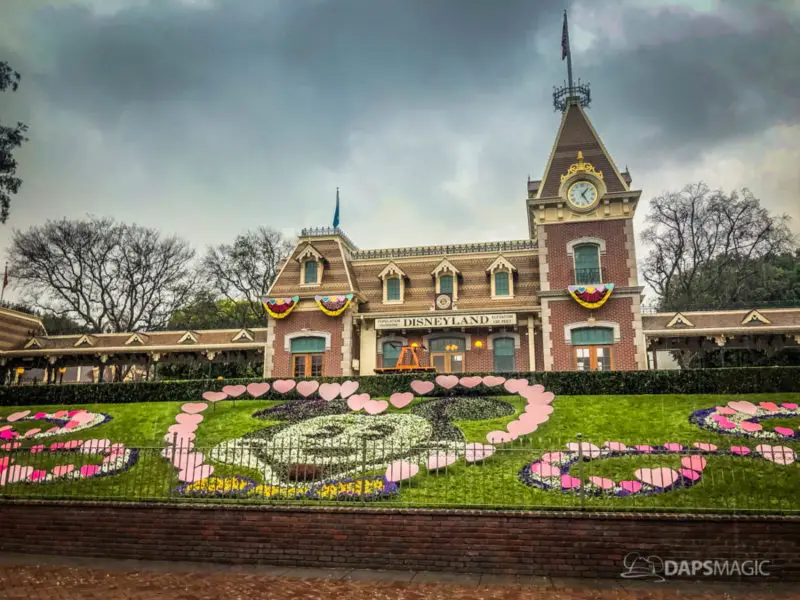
[583,194]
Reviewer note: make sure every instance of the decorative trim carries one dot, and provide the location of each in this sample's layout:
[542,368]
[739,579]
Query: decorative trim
[308,252]
[243,334]
[333,306]
[591,296]
[581,167]
[137,338]
[391,269]
[754,316]
[503,334]
[679,319]
[444,266]
[84,340]
[287,339]
[279,308]
[188,338]
[501,264]
[581,241]
[33,342]
[415,251]
[583,324]
[390,338]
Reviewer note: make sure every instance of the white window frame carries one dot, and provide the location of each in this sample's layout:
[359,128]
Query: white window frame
[446,268]
[501,265]
[309,253]
[604,324]
[503,334]
[392,271]
[287,339]
[587,241]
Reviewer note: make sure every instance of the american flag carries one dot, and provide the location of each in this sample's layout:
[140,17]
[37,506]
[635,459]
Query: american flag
[565,39]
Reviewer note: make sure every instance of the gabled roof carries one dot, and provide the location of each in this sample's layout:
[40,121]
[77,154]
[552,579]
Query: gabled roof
[244,334]
[577,134]
[391,269]
[679,320]
[33,343]
[308,252]
[137,338]
[188,338]
[500,263]
[755,317]
[85,340]
[445,265]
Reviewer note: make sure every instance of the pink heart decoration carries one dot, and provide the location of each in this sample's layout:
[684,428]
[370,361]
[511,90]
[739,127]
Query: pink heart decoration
[770,406]
[258,389]
[545,469]
[60,414]
[690,475]
[83,417]
[400,470]
[56,446]
[602,482]
[17,416]
[750,427]
[500,437]
[469,382]
[37,449]
[660,477]
[214,396]
[518,428]
[422,387]
[186,419]
[306,388]
[42,415]
[726,424]
[187,460]
[440,461]
[6,427]
[447,381]
[477,452]
[630,486]
[95,446]
[515,385]
[695,463]
[704,446]
[673,447]
[401,399]
[61,470]
[375,407]
[537,411]
[329,391]
[348,388]
[234,391]
[784,431]
[569,482]
[73,444]
[358,401]
[724,410]
[89,470]
[196,474]
[780,455]
[743,406]
[615,446]
[536,396]
[179,428]
[534,417]
[553,457]
[70,425]
[32,432]
[17,473]
[789,405]
[283,385]
[740,450]
[589,450]
[194,407]
[492,381]
[8,434]
[181,439]
[4,461]
[10,446]
[37,475]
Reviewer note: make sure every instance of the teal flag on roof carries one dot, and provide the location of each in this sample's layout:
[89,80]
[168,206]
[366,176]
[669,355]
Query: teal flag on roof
[336,212]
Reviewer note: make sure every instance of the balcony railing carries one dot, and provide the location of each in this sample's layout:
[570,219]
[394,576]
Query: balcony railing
[588,276]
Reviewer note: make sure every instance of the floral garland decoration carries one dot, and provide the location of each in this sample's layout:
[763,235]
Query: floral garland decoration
[333,306]
[279,308]
[591,296]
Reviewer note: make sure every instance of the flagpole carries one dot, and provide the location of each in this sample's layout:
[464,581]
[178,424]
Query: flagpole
[569,53]
[5,284]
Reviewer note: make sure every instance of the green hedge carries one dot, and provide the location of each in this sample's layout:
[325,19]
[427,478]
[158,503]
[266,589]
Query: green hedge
[701,381]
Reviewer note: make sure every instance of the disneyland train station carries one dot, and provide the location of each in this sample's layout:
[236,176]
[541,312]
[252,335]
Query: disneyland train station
[568,297]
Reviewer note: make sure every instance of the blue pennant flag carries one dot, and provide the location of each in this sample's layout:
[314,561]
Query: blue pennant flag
[336,213]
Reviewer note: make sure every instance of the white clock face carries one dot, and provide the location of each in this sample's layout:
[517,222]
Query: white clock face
[582,194]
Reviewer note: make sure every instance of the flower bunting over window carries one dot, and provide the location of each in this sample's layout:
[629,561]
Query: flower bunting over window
[279,308]
[591,296]
[333,306]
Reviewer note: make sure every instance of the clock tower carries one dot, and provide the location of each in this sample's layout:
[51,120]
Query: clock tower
[581,214]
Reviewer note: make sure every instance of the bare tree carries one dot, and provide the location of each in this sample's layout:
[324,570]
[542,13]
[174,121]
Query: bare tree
[245,269]
[708,247]
[11,138]
[106,276]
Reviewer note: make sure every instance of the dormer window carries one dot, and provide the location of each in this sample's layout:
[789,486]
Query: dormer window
[501,273]
[394,284]
[446,279]
[311,266]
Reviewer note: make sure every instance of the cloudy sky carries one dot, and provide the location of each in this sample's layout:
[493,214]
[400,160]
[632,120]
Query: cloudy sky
[208,117]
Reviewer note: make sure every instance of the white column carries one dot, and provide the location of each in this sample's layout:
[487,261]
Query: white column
[347,343]
[369,347]
[269,348]
[531,346]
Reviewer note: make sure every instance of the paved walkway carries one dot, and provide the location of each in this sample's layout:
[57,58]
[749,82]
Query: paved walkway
[28,577]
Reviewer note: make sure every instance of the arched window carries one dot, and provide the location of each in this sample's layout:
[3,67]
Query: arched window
[503,350]
[391,352]
[592,348]
[308,356]
[587,264]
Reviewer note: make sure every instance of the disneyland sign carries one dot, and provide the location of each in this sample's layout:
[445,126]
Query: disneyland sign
[446,321]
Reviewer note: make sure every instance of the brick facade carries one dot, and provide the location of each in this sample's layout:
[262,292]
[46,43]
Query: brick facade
[524,543]
[616,310]
[311,320]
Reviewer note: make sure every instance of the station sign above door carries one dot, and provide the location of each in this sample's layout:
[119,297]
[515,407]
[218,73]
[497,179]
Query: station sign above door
[452,320]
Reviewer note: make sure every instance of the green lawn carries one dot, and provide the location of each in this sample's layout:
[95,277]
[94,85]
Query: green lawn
[729,483]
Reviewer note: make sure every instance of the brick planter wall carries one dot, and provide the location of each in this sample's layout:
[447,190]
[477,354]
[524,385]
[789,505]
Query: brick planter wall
[526,543]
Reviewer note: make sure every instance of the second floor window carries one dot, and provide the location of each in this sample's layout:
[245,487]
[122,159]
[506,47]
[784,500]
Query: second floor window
[393,289]
[445,284]
[587,264]
[501,287]
[310,271]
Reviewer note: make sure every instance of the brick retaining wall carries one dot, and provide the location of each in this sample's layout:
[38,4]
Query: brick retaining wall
[525,543]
